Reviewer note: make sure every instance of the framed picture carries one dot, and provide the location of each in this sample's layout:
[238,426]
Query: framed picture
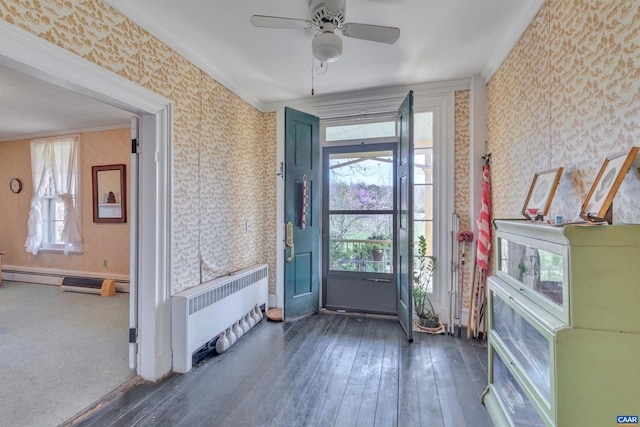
[596,207]
[541,192]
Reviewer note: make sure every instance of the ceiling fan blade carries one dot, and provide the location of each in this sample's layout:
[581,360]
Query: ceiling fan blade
[279,22]
[374,33]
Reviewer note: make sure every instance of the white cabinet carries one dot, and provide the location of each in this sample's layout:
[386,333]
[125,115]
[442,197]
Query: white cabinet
[564,330]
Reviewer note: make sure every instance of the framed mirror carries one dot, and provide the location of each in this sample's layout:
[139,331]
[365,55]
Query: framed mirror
[109,193]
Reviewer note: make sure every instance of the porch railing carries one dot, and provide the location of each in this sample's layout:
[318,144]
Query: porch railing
[374,256]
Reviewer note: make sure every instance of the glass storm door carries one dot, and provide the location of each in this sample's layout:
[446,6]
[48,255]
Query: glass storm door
[359,223]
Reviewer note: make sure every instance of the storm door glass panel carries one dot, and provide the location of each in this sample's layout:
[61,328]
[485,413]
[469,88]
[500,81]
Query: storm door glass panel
[352,247]
[361,211]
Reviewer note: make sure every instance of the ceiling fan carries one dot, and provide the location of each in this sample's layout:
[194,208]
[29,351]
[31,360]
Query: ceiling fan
[326,16]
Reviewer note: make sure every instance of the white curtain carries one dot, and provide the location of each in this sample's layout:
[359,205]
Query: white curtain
[39,154]
[53,160]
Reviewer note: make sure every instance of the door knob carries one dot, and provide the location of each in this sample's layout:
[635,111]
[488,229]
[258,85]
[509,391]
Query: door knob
[289,240]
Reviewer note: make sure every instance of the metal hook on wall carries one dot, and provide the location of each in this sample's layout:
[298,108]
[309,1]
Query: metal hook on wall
[486,158]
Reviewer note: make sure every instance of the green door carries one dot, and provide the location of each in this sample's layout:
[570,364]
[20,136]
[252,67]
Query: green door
[404,230]
[302,221]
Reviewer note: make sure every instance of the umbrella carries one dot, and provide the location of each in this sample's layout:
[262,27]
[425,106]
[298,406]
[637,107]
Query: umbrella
[483,246]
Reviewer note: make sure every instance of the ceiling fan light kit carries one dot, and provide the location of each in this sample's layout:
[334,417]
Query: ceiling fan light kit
[327,47]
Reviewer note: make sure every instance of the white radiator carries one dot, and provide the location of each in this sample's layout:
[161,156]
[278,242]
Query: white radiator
[201,313]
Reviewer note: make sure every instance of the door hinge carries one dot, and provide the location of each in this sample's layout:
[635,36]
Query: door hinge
[134,135]
[133,335]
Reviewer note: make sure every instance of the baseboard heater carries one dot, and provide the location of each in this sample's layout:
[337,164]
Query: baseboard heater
[104,287]
[53,276]
[201,313]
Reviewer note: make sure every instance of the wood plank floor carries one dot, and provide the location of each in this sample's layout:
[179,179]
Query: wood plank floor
[328,369]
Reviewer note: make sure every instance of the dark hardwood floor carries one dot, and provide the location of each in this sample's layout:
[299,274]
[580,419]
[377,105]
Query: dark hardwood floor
[324,370]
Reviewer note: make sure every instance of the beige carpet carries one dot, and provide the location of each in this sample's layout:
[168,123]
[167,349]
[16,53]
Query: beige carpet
[59,352]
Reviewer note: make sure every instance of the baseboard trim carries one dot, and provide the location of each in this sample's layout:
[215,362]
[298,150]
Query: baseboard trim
[272,300]
[50,276]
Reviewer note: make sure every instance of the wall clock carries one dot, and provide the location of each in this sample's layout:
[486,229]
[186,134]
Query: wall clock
[16,185]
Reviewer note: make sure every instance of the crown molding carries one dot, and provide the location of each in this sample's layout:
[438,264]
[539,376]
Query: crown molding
[513,34]
[28,53]
[162,33]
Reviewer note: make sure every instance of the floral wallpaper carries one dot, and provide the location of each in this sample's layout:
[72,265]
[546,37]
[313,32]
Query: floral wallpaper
[462,140]
[223,148]
[567,95]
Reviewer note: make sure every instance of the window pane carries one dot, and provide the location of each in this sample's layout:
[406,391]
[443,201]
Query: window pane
[423,166]
[361,243]
[423,130]
[362,181]
[361,131]
[422,202]
[423,184]
[423,228]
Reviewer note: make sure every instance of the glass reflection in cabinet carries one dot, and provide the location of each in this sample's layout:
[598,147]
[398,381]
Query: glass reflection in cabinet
[521,410]
[537,269]
[528,345]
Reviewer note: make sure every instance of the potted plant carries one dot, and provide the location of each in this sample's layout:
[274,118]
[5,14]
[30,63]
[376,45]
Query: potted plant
[376,248]
[427,315]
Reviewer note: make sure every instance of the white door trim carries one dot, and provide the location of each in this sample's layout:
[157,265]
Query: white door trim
[34,56]
[443,109]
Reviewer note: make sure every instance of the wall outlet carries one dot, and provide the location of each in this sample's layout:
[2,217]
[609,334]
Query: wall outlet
[249,226]
[104,263]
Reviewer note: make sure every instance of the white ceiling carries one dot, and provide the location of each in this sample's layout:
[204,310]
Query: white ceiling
[33,108]
[439,40]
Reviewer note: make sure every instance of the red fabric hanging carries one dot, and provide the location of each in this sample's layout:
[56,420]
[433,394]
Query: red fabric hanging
[484,222]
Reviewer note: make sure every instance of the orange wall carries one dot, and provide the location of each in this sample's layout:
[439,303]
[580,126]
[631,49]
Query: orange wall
[101,242]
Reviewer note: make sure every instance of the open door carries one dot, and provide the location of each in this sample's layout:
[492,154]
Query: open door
[133,254]
[404,227]
[302,221]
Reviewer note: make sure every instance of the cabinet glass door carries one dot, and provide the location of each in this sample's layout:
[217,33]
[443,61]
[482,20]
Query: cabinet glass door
[520,409]
[538,272]
[528,345]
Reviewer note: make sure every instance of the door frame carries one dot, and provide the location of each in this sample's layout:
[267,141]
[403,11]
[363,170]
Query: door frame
[32,55]
[439,97]
[354,147]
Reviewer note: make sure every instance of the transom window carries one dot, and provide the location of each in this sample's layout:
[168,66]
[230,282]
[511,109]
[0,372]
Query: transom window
[360,131]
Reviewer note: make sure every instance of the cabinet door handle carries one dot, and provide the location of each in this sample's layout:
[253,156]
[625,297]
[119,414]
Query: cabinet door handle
[379,280]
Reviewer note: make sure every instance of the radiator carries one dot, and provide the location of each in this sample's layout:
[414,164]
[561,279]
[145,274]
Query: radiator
[201,313]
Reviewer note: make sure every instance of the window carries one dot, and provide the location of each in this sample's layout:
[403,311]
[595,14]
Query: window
[423,181]
[360,131]
[53,220]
